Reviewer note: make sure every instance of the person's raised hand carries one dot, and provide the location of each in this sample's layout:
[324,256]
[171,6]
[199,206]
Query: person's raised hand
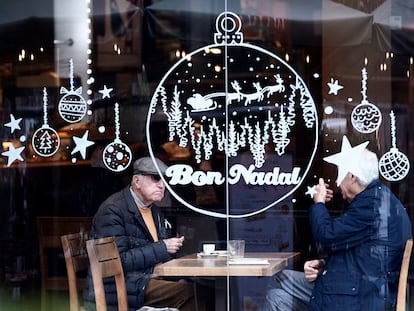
[323,192]
[174,244]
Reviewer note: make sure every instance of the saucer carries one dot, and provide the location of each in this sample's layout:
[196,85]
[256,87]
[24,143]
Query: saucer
[203,255]
[220,253]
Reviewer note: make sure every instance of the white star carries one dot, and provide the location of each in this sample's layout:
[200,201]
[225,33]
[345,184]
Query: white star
[334,87]
[13,154]
[311,191]
[13,124]
[347,160]
[82,144]
[105,92]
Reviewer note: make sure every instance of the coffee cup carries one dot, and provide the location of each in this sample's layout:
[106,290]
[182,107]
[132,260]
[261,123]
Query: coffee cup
[209,248]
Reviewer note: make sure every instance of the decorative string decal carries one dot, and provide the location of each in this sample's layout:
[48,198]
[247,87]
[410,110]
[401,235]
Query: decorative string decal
[366,117]
[45,140]
[394,165]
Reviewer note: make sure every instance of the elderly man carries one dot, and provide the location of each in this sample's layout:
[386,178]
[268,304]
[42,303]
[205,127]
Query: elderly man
[141,233]
[365,244]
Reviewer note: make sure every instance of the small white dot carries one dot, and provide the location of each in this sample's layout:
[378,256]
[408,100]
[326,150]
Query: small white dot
[328,109]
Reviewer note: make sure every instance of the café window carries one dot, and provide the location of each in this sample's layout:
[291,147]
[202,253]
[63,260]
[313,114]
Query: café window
[243,100]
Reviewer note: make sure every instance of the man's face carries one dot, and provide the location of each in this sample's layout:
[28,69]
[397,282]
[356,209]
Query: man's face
[150,188]
[346,187]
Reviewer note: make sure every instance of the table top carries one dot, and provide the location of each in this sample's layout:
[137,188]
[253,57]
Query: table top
[192,265]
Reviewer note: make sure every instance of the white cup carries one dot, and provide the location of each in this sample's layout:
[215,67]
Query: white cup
[209,248]
[235,248]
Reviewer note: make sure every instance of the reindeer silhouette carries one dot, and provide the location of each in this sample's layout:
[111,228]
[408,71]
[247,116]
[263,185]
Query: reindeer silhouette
[254,96]
[279,87]
[234,96]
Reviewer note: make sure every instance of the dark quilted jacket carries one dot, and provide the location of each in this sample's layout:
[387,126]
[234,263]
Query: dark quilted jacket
[119,216]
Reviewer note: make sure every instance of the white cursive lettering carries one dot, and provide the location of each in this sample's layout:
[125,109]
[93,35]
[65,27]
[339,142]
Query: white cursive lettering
[181,174]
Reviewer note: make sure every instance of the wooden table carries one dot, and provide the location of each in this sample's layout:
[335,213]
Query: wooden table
[218,267]
[192,265]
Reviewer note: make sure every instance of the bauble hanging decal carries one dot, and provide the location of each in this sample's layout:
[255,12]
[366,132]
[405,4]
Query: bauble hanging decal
[45,140]
[394,165]
[366,117]
[243,105]
[72,106]
[117,156]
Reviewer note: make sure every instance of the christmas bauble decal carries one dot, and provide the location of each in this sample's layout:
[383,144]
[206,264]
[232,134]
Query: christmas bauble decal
[45,140]
[117,155]
[366,117]
[244,107]
[394,165]
[72,106]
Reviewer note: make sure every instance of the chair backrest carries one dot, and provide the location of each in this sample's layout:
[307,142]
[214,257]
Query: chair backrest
[77,262]
[50,229]
[105,262]
[402,283]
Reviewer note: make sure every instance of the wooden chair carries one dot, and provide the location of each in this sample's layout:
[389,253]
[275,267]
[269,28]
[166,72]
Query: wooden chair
[52,271]
[105,262]
[402,283]
[77,262]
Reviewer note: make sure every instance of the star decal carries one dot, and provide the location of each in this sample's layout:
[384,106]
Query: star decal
[13,154]
[105,92]
[13,124]
[82,144]
[334,87]
[311,191]
[347,160]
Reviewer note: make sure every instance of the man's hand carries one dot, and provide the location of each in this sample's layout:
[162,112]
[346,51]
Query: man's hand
[313,268]
[174,244]
[323,193]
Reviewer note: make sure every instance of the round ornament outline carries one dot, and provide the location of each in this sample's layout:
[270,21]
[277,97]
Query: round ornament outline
[150,147]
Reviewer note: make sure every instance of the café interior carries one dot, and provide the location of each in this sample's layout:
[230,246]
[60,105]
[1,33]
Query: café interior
[258,95]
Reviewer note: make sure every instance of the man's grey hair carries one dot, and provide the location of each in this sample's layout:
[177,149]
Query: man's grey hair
[368,167]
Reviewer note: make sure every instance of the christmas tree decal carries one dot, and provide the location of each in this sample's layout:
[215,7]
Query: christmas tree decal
[45,140]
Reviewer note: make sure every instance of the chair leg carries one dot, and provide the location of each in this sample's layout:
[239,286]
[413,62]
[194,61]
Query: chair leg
[195,296]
